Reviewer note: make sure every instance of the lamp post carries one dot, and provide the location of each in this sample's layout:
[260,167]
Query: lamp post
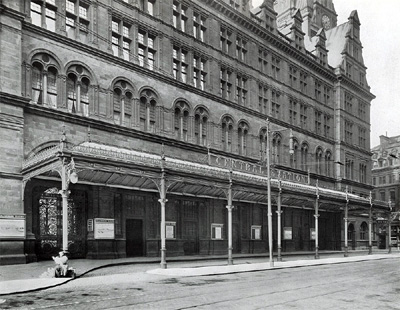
[279,211]
[270,245]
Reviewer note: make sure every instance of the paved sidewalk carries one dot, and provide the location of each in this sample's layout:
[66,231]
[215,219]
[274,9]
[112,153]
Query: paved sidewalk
[35,276]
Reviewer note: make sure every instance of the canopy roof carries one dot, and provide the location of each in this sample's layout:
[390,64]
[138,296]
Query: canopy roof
[106,165]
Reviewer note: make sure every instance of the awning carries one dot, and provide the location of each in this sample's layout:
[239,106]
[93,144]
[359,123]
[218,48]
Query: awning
[106,165]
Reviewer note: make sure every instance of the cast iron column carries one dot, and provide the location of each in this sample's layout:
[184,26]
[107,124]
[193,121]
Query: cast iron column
[346,226]
[230,207]
[316,215]
[270,245]
[279,213]
[389,227]
[163,201]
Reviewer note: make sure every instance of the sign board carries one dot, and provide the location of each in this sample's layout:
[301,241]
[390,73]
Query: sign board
[243,166]
[170,230]
[104,228]
[12,226]
[287,233]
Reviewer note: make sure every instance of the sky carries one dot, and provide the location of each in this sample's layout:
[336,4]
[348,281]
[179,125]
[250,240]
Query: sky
[380,37]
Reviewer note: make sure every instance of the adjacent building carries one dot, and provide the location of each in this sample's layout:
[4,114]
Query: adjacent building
[386,180]
[143,128]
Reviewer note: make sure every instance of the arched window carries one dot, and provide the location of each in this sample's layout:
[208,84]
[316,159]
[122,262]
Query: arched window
[363,231]
[227,132]
[318,161]
[276,149]
[328,164]
[243,130]
[295,156]
[123,94]
[200,127]
[304,156]
[44,80]
[37,83]
[148,103]
[181,120]
[78,85]
[263,143]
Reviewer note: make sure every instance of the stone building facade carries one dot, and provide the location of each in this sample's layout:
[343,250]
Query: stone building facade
[386,182]
[106,106]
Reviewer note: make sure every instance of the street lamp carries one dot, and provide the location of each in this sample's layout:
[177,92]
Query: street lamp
[270,244]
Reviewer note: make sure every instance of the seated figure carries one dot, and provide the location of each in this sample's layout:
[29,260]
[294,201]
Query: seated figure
[62,264]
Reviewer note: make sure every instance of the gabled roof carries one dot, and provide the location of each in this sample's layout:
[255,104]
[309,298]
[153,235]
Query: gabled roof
[336,43]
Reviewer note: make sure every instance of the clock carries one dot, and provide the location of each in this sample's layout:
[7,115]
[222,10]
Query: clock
[326,22]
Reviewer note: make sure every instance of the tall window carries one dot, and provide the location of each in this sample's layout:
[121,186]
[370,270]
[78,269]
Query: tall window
[199,26]
[293,112]
[327,94]
[148,6]
[348,102]
[361,137]
[148,103]
[263,60]
[44,81]
[243,130]
[225,83]
[317,90]
[304,157]
[349,168]
[199,72]
[362,110]
[263,99]
[77,20]
[275,104]
[43,14]
[295,157]
[349,70]
[328,164]
[241,50]
[348,132]
[146,49]
[303,82]
[363,172]
[78,84]
[180,65]
[225,40]
[181,120]
[275,67]
[318,161]
[226,134]
[276,149]
[200,129]
[318,122]
[327,126]
[303,116]
[293,77]
[123,95]
[241,90]
[179,16]
[121,40]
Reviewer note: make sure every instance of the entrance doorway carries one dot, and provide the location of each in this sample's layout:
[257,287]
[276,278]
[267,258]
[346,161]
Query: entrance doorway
[134,237]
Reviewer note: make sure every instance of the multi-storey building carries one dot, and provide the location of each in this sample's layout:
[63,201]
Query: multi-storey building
[117,116]
[386,182]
